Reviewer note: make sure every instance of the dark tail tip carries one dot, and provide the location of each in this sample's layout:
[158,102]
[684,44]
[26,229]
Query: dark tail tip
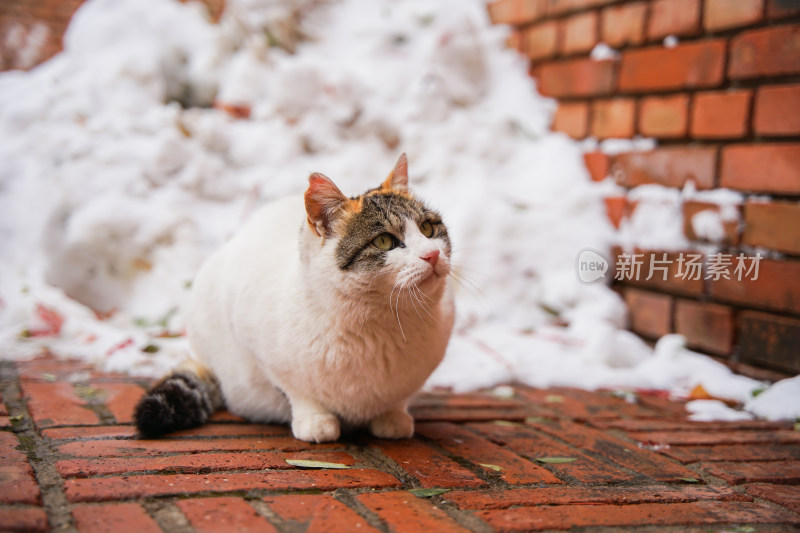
[178,402]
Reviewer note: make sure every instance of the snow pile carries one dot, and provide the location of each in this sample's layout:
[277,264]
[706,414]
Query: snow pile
[118,178]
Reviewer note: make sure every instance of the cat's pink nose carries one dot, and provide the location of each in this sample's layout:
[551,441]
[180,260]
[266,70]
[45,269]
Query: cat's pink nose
[431,257]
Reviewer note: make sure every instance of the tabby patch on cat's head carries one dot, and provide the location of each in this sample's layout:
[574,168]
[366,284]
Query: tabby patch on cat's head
[386,213]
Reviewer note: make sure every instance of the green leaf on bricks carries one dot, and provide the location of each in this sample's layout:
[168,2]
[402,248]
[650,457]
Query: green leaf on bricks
[305,463]
[556,460]
[427,493]
[493,467]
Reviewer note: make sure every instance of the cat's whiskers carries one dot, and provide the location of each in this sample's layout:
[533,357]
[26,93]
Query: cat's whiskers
[396,311]
[468,285]
[416,292]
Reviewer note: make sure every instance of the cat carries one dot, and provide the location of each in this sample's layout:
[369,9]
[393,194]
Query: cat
[324,311]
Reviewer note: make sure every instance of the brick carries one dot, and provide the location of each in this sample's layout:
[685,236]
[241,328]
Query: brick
[673,17]
[598,164]
[123,487]
[467,400]
[572,118]
[579,33]
[559,7]
[96,432]
[48,369]
[682,425]
[777,9]
[650,313]
[193,463]
[721,114]
[762,168]
[464,443]
[155,448]
[725,14]
[505,499]
[514,40]
[111,518]
[767,472]
[583,405]
[668,166]
[623,25]
[539,41]
[777,287]
[733,452]
[764,52]
[575,78]
[620,452]
[234,430]
[208,515]
[664,116]
[707,327]
[774,225]
[460,414]
[17,483]
[770,115]
[617,208]
[405,513]
[431,468]
[680,277]
[788,497]
[515,12]
[730,227]
[56,404]
[677,514]
[120,398]
[533,445]
[697,64]
[613,118]
[699,437]
[769,340]
[28,520]
[316,513]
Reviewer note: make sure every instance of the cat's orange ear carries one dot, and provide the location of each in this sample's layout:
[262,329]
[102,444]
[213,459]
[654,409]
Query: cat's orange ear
[398,179]
[323,199]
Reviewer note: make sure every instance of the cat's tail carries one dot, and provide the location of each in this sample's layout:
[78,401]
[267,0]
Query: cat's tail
[186,398]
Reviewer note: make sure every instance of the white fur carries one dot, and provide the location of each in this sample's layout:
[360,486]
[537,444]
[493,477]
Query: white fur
[291,337]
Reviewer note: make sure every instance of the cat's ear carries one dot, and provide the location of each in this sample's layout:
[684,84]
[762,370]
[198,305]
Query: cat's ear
[323,199]
[398,179]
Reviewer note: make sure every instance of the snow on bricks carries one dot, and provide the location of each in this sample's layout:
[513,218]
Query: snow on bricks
[533,460]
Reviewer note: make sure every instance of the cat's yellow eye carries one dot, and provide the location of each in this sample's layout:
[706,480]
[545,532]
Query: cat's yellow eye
[383,242]
[426,228]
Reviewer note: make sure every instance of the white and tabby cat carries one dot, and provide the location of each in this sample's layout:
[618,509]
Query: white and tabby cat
[324,311]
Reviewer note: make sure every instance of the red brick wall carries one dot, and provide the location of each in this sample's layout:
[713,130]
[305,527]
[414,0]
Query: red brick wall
[31,31]
[724,106]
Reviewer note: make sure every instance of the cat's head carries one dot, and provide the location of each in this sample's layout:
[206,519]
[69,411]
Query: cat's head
[384,239]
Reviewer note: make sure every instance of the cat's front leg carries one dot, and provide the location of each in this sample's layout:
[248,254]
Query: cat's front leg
[311,422]
[395,423]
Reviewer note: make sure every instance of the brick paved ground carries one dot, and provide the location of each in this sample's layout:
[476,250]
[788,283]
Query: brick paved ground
[540,460]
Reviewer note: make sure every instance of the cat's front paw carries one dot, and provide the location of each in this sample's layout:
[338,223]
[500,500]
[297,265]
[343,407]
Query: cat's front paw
[316,428]
[392,425]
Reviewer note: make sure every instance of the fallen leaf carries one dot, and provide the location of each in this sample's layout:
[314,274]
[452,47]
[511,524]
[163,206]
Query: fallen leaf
[493,467]
[427,493]
[689,479]
[554,398]
[700,393]
[306,463]
[506,423]
[556,460]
